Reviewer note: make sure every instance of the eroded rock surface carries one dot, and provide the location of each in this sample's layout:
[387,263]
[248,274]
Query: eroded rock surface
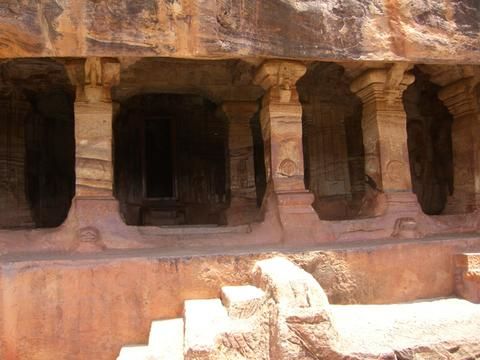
[360,29]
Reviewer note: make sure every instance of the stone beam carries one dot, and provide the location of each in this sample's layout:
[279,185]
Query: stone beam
[462,100]
[241,160]
[94,109]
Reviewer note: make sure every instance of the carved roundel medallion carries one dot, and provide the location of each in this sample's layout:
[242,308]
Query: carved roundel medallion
[395,171]
[287,168]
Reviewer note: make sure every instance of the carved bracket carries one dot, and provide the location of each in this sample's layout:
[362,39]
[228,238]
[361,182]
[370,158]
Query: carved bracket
[383,84]
[94,77]
[281,75]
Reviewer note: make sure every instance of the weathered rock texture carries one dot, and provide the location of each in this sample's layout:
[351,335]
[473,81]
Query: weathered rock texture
[379,30]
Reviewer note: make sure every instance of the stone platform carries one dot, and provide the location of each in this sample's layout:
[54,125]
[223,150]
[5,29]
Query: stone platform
[446,328]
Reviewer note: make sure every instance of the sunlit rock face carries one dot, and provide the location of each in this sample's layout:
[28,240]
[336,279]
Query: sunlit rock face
[371,30]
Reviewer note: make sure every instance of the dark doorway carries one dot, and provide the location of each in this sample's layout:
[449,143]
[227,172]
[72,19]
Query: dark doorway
[158,169]
[170,160]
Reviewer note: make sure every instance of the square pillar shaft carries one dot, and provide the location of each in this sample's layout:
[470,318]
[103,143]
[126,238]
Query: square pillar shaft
[93,144]
[94,109]
[462,102]
[281,123]
[241,160]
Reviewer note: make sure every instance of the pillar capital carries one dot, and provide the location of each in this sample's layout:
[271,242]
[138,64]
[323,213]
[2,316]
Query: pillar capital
[280,75]
[460,97]
[93,77]
[382,84]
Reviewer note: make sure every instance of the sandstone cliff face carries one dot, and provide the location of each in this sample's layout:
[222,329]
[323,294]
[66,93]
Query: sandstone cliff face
[424,30]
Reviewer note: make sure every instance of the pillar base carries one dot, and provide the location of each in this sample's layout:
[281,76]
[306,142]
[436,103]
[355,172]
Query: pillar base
[402,202]
[94,224]
[242,211]
[300,222]
[377,203]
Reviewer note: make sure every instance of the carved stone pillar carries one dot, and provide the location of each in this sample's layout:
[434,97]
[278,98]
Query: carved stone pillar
[94,215]
[463,103]
[385,135]
[243,204]
[93,124]
[281,122]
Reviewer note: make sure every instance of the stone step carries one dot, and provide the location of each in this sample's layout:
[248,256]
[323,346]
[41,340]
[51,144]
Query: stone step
[135,352]
[166,339]
[204,321]
[242,302]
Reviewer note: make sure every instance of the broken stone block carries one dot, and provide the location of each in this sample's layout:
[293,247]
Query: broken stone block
[467,276]
[300,323]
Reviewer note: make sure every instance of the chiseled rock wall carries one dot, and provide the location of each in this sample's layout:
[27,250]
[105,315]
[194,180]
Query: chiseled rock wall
[432,30]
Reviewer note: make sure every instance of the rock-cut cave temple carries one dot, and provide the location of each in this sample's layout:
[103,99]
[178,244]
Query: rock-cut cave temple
[251,179]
